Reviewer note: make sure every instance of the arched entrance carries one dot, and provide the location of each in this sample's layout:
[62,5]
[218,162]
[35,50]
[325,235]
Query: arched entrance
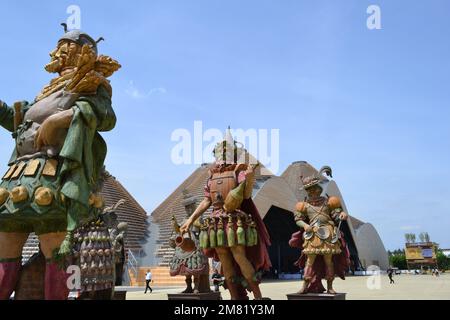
[281,225]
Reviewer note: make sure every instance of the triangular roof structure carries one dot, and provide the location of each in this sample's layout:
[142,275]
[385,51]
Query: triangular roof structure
[280,191]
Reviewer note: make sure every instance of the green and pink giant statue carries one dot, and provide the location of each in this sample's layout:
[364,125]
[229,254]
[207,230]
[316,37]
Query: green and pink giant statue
[51,186]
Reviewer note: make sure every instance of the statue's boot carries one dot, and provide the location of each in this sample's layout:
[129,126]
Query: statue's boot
[330,289]
[56,282]
[304,289]
[254,287]
[237,292]
[330,280]
[188,285]
[196,284]
[9,275]
[306,280]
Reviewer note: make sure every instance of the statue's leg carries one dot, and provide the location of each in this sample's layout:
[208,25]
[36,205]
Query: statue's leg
[249,273]
[11,246]
[226,259]
[197,284]
[308,273]
[188,285]
[55,277]
[205,286]
[330,273]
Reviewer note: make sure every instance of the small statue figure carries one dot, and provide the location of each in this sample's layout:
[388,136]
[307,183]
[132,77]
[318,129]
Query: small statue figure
[189,260]
[324,251]
[99,252]
[234,233]
[50,187]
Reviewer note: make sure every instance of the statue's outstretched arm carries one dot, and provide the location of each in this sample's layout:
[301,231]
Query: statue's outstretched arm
[6,117]
[204,205]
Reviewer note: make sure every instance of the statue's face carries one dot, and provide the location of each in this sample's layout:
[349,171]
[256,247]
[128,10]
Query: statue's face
[63,57]
[314,192]
[224,154]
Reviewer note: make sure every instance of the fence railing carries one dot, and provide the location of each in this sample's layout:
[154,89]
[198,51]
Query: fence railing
[133,264]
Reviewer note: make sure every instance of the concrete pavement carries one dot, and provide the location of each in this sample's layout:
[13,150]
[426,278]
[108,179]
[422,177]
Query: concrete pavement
[406,287]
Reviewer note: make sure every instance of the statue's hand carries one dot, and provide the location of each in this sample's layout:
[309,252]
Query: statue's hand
[252,168]
[186,227]
[46,134]
[308,229]
[343,216]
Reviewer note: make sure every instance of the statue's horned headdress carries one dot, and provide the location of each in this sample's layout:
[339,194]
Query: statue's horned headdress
[316,179]
[80,38]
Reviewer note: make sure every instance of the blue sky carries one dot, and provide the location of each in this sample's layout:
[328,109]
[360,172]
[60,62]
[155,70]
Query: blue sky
[372,104]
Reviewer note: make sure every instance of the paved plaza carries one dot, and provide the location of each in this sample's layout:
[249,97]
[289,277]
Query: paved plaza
[406,287]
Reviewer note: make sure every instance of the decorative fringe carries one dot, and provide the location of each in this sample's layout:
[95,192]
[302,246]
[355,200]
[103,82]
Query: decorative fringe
[250,240]
[66,247]
[204,239]
[212,237]
[221,238]
[255,236]
[231,234]
[220,234]
[62,255]
[241,233]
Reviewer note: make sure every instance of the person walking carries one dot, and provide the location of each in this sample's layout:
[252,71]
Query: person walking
[148,280]
[391,276]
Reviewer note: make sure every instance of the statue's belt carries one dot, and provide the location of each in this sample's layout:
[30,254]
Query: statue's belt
[31,168]
[323,233]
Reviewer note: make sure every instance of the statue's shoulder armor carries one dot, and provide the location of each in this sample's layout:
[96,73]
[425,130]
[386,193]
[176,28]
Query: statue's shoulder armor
[214,170]
[301,207]
[334,203]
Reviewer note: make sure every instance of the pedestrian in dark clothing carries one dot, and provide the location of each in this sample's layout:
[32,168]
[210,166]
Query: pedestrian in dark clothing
[391,276]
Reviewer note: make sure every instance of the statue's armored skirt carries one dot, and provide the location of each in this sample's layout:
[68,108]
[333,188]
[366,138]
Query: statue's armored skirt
[223,228]
[323,239]
[185,263]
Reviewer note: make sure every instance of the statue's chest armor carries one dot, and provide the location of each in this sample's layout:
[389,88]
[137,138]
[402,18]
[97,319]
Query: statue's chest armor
[36,115]
[221,185]
[319,214]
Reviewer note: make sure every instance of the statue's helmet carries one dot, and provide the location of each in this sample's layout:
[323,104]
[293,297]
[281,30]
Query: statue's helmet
[229,150]
[317,179]
[79,37]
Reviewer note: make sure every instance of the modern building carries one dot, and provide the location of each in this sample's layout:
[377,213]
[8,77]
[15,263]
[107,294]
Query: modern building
[275,197]
[421,254]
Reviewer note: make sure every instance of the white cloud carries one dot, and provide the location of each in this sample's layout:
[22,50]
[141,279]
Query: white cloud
[157,91]
[134,92]
[409,228]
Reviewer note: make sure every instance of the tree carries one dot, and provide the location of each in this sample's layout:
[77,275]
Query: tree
[443,261]
[424,237]
[410,238]
[397,259]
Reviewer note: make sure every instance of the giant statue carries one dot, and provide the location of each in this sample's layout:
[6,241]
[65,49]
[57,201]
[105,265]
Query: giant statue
[51,186]
[324,251]
[233,233]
